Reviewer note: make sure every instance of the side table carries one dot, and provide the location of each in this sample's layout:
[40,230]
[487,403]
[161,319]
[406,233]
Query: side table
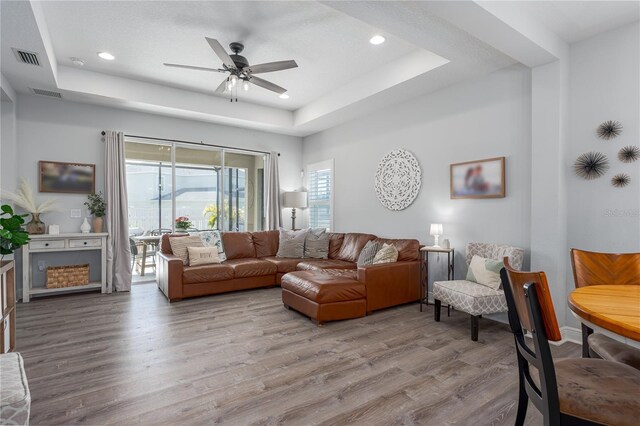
[424,272]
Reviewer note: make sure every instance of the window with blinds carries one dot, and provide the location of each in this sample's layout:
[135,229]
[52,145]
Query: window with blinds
[320,194]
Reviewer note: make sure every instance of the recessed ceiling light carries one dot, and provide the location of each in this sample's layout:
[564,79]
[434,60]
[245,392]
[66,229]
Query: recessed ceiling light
[77,61]
[106,56]
[284,96]
[377,39]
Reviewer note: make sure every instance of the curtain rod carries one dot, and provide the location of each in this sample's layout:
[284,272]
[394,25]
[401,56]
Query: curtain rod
[193,143]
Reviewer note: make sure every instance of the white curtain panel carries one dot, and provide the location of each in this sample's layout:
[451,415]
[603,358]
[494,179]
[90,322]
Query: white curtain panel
[272,193]
[115,188]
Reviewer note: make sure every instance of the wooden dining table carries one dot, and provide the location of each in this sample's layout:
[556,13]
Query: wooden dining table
[146,240]
[614,308]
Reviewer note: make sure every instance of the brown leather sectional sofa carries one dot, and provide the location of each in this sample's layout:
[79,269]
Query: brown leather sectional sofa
[323,289]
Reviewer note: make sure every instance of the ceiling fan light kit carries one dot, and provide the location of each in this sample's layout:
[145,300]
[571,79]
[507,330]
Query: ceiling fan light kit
[239,70]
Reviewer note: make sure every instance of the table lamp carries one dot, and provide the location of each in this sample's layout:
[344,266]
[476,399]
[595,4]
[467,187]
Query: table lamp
[295,200]
[436,231]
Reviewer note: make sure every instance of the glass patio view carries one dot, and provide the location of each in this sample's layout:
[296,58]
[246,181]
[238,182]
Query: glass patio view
[211,194]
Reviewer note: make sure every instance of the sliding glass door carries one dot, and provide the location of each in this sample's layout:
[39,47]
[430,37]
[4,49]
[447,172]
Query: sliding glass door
[149,187]
[198,183]
[243,192]
[215,188]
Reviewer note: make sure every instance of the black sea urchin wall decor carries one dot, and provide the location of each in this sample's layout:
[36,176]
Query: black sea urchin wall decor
[629,154]
[591,165]
[620,180]
[609,129]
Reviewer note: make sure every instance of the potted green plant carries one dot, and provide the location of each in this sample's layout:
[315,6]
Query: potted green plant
[97,207]
[12,236]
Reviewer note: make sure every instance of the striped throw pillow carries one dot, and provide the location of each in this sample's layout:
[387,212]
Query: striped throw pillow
[369,252]
[387,254]
[180,245]
[316,244]
[291,243]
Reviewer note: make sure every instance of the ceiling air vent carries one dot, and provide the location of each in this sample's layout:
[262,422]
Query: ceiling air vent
[49,93]
[26,57]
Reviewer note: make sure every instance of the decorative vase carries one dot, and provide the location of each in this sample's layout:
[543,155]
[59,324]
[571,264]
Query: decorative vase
[36,226]
[97,224]
[446,244]
[85,228]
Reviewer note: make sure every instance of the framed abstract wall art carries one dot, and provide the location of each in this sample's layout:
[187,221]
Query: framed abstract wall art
[478,179]
[72,178]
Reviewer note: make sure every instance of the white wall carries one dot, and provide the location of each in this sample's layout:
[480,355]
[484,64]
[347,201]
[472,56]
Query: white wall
[548,178]
[8,151]
[483,118]
[604,85]
[51,129]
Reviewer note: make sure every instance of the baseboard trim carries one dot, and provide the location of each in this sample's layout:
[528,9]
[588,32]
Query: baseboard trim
[570,334]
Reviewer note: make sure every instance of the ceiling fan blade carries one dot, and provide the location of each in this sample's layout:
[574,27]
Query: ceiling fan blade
[222,87]
[191,67]
[222,54]
[272,66]
[267,85]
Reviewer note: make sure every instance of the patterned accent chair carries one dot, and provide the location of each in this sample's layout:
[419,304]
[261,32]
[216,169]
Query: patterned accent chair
[473,298]
[15,398]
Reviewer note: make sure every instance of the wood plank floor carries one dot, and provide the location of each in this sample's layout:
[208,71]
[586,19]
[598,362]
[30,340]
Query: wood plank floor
[241,358]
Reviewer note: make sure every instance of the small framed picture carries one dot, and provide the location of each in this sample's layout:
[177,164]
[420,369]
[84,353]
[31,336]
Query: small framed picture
[73,178]
[478,179]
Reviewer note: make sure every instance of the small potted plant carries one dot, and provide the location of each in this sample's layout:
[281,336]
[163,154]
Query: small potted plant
[182,224]
[97,207]
[12,236]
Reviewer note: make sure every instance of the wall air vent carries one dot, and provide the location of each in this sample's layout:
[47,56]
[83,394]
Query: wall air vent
[43,92]
[26,57]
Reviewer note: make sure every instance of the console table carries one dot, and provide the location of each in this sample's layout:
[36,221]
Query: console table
[77,243]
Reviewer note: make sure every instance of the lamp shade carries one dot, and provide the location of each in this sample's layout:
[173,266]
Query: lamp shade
[295,199]
[436,229]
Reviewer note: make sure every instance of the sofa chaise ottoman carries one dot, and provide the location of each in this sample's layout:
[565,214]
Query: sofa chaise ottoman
[326,295]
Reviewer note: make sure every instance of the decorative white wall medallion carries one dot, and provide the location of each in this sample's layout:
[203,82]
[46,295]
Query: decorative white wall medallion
[398,179]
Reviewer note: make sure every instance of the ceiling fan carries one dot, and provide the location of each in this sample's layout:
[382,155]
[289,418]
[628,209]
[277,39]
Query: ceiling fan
[240,72]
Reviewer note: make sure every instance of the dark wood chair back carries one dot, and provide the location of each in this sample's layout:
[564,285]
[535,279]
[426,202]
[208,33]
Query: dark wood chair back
[531,309]
[593,268]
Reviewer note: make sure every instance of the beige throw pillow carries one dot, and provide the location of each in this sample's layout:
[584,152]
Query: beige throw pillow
[485,271]
[316,243]
[291,243]
[179,246]
[387,254]
[203,255]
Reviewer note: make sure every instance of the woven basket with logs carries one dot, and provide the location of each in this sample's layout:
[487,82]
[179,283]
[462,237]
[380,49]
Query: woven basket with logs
[67,276]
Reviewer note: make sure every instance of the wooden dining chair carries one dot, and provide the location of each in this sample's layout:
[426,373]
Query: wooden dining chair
[593,268]
[576,391]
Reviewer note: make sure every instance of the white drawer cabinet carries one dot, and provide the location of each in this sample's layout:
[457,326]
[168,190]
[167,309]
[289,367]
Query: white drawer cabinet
[89,242]
[80,244]
[46,245]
